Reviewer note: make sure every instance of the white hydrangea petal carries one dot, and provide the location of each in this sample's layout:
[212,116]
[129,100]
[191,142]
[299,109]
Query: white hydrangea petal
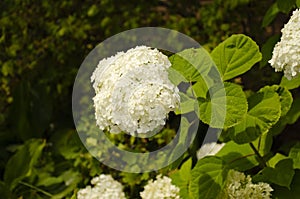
[162,187]
[209,149]
[286,53]
[104,187]
[240,186]
[133,92]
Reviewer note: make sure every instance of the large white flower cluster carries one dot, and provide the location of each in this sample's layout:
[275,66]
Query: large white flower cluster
[105,187]
[133,92]
[241,186]
[286,54]
[209,149]
[161,188]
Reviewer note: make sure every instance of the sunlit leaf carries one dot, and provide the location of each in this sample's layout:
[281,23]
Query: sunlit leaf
[235,56]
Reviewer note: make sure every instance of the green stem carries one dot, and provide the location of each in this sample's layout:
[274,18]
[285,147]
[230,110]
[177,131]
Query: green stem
[259,157]
[37,189]
[239,158]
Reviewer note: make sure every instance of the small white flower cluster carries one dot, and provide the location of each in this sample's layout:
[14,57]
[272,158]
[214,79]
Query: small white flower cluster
[105,187]
[133,92]
[286,54]
[209,149]
[161,188]
[241,186]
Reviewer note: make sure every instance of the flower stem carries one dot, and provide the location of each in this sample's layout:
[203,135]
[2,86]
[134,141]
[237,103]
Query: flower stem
[37,189]
[259,157]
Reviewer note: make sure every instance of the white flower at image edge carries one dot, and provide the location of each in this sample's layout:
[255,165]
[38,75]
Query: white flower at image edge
[104,187]
[161,188]
[240,186]
[209,149]
[133,92]
[286,53]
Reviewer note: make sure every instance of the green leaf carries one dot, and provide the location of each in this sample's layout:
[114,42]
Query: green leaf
[283,192]
[264,143]
[199,89]
[21,163]
[294,113]
[286,98]
[290,118]
[71,179]
[264,111]
[4,191]
[270,15]
[290,84]
[182,177]
[295,155]
[238,157]
[192,64]
[275,159]
[235,56]
[298,3]
[208,178]
[93,10]
[67,143]
[285,6]
[281,175]
[48,180]
[187,104]
[185,170]
[267,49]
[233,106]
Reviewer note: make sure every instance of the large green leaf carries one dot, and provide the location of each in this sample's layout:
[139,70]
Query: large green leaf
[219,110]
[290,84]
[295,155]
[282,174]
[238,157]
[235,56]
[208,178]
[192,64]
[286,98]
[284,193]
[264,111]
[20,164]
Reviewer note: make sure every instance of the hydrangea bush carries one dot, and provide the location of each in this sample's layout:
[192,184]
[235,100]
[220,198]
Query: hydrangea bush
[134,95]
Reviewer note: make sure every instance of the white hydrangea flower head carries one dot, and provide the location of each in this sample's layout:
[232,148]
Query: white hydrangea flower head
[209,149]
[104,187]
[286,53]
[241,186]
[161,188]
[133,91]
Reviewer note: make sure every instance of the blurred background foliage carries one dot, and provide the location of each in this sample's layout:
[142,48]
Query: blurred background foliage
[43,43]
